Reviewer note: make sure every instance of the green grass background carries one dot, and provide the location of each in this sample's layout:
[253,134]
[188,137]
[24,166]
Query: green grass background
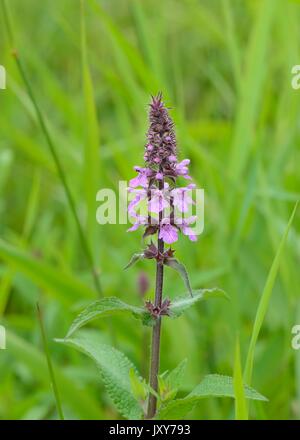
[224,66]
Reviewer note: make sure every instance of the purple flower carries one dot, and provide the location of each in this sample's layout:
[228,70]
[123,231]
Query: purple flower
[181,169]
[142,179]
[141,194]
[159,199]
[140,220]
[181,197]
[184,225]
[168,233]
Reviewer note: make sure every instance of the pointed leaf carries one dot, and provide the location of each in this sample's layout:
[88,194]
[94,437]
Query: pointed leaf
[134,259]
[175,264]
[169,382]
[213,385]
[115,370]
[102,308]
[175,377]
[138,385]
[222,386]
[179,305]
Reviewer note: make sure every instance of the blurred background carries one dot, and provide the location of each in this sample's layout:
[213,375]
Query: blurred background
[224,66]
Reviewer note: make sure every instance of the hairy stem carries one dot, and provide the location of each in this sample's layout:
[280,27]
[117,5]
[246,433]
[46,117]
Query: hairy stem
[155,347]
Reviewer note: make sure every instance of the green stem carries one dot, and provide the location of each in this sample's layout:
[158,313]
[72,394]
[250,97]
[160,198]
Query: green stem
[49,363]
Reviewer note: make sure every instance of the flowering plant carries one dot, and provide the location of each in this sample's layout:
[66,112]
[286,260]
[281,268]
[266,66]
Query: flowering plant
[167,204]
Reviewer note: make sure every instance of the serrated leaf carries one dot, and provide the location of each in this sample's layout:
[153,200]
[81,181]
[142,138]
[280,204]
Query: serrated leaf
[176,409]
[134,259]
[102,308]
[169,382]
[213,385]
[175,377]
[115,372]
[147,319]
[138,386]
[222,386]
[181,269]
[179,305]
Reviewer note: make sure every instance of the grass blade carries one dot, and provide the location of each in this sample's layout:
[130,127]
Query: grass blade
[264,301]
[91,162]
[61,285]
[239,392]
[49,363]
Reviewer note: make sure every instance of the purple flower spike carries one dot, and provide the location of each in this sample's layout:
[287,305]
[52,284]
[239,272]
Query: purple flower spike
[161,135]
[163,199]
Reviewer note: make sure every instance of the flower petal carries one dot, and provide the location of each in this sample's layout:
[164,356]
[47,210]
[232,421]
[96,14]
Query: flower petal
[168,233]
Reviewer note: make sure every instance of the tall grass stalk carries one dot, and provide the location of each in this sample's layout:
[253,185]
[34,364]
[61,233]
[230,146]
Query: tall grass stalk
[85,246]
[49,363]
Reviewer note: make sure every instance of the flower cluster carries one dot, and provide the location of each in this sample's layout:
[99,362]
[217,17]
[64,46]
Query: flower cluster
[154,187]
[156,311]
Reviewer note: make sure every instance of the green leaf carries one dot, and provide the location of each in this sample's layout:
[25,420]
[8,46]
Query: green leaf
[169,382]
[175,377]
[134,259]
[176,409]
[102,308]
[148,320]
[138,386]
[179,305]
[175,264]
[265,299]
[115,370]
[216,385]
[213,385]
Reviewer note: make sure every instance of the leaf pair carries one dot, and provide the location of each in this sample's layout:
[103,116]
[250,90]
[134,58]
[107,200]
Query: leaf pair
[128,390]
[113,305]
